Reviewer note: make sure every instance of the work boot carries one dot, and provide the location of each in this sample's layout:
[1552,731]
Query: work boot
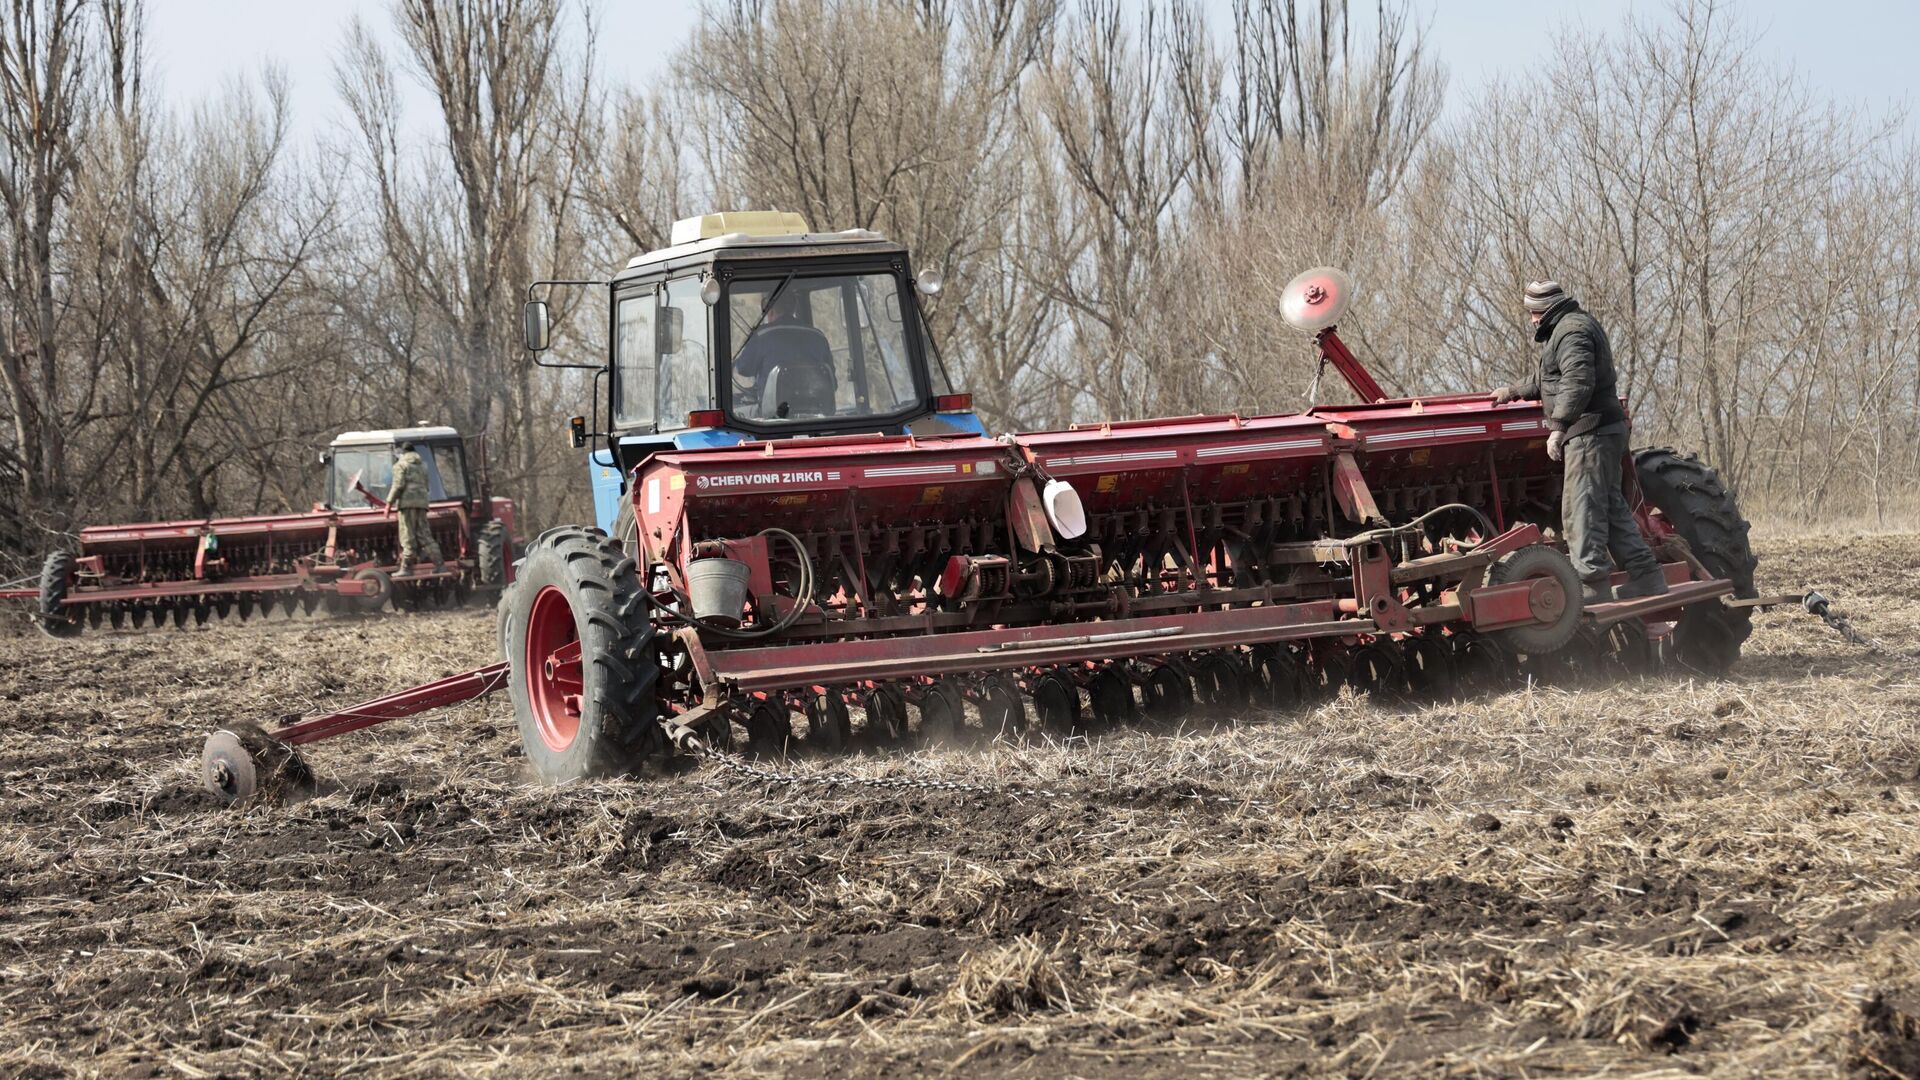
[406,568]
[1649,584]
[1595,592]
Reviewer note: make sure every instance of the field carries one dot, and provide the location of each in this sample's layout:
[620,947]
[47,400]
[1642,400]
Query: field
[1660,876]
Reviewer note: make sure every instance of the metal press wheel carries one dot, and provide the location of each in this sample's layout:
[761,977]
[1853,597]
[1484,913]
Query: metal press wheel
[1167,694]
[1428,666]
[1056,705]
[886,709]
[1376,669]
[943,713]
[1111,698]
[1001,710]
[1282,680]
[829,725]
[1223,683]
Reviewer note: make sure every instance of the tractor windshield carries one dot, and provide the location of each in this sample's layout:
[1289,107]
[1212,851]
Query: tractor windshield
[810,348]
[372,464]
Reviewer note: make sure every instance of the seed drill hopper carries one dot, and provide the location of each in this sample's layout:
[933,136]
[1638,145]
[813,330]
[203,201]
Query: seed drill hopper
[808,542]
[342,555]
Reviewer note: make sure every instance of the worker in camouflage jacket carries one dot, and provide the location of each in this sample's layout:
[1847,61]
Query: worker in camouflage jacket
[408,498]
[1587,431]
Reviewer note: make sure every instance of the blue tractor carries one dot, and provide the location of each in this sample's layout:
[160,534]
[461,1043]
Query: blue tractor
[750,327]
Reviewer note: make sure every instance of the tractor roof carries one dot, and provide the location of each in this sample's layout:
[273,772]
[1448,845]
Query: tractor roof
[752,234]
[386,436]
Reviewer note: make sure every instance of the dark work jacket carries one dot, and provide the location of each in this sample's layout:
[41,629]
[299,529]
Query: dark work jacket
[1575,383]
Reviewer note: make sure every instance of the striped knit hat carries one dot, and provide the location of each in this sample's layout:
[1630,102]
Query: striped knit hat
[1543,295]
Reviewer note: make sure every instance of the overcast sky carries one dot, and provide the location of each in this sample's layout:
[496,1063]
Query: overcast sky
[1859,51]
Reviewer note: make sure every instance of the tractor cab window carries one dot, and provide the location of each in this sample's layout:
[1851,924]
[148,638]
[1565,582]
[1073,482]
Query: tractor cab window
[661,355]
[450,469]
[633,360]
[686,377]
[371,465]
[810,348]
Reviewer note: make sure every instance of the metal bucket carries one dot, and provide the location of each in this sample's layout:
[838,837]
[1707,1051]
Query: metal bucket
[718,589]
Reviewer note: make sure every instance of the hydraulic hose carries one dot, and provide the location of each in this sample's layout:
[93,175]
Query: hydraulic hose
[801,602]
[1486,526]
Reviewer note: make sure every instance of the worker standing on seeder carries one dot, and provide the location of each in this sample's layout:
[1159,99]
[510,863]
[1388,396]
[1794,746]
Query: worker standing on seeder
[408,498]
[1587,431]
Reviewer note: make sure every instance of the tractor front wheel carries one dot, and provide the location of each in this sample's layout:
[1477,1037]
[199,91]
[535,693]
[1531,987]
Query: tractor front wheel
[580,651]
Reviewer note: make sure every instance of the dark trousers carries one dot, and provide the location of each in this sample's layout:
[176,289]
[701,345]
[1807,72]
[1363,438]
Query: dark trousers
[1599,522]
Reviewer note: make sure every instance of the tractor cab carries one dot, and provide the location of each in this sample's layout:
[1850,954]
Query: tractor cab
[367,456]
[748,327]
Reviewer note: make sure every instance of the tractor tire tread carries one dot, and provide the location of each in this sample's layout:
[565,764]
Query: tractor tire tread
[491,548]
[1704,511]
[602,580]
[56,576]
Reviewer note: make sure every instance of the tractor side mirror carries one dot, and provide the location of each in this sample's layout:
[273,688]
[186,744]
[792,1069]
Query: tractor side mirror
[537,326]
[668,331]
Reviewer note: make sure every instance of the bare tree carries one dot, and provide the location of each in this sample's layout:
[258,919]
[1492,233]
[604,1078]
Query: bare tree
[1116,153]
[1114,191]
[1697,199]
[881,114]
[45,95]
[512,96]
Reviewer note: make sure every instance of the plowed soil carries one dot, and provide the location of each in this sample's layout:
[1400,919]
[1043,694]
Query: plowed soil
[1660,875]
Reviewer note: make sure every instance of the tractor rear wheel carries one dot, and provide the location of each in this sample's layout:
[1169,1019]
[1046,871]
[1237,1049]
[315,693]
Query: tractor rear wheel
[1697,504]
[490,551]
[56,618]
[581,658]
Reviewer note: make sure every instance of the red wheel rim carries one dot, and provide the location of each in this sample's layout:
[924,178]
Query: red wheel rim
[553,674]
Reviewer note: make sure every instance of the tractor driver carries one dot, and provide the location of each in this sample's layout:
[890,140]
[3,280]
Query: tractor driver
[1587,430]
[408,497]
[799,351]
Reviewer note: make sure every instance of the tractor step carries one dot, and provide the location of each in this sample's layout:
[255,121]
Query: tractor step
[1676,597]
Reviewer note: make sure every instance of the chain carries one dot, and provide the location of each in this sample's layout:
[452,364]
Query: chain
[1823,607]
[915,783]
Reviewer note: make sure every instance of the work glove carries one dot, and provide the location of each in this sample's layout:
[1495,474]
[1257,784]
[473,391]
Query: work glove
[1556,444]
[1502,395]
